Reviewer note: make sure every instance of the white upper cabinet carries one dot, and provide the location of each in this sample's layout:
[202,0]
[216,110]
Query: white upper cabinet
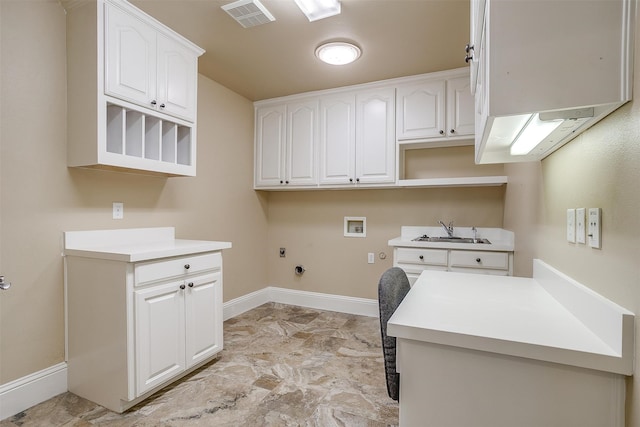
[438,108]
[285,146]
[269,149]
[131,91]
[421,110]
[130,57]
[357,145]
[148,68]
[176,84]
[556,63]
[356,137]
[460,107]
[375,131]
[337,139]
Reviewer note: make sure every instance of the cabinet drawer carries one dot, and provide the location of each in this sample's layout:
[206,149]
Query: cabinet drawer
[480,259]
[158,270]
[421,256]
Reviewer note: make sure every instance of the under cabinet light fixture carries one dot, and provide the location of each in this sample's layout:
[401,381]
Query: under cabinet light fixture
[534,132]
[319,9]
[338,53]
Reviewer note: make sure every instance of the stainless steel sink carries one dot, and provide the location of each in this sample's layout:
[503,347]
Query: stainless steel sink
[426,238]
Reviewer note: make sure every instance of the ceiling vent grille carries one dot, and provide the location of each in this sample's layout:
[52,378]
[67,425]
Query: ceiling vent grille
[248,13]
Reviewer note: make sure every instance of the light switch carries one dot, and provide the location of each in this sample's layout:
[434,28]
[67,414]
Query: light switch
[370,258]
[595,227]
[571,225]
[580,226]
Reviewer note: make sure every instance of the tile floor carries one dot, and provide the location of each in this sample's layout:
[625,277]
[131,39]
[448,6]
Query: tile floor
[282,366]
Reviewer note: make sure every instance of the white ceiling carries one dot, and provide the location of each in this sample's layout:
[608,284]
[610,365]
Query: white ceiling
[397,37]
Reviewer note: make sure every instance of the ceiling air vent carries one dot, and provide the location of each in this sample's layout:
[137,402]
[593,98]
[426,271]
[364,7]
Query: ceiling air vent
[248,13]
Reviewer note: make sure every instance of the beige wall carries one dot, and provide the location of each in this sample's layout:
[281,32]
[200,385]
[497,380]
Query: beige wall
[40,197]
[310,226]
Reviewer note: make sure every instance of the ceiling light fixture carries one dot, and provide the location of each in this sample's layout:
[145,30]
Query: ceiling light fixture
[338,53]
[319,9]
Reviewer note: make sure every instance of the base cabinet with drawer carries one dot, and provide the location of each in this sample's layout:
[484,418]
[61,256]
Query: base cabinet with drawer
[133,327]
[415,260]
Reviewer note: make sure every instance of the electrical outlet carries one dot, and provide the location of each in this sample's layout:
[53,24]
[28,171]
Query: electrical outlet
[595,227]
[370,257]
[580,226]
[118,210]
[571,225]
[283,252]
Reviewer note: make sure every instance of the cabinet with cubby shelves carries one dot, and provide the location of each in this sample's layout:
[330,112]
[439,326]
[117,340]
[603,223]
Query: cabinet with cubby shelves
[109,128]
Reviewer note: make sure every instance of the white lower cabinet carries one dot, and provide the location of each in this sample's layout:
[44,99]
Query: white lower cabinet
[135,326]
[415,260]
[176,327]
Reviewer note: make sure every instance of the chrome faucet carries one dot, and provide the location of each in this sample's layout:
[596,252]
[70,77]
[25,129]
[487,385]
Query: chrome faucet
[447,228]
[475,234]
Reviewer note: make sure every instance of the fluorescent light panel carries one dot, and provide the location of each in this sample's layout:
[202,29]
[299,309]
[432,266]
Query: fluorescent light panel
[319,9]
[534,133]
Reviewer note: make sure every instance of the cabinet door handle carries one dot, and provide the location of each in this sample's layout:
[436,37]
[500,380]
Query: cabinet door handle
[187,266]
[286,182]
[350,179]
[441,132]
[190,284]
[281,182]
[421,257]
[478,260]
[162,105]
[357,179]
[452,131]
[153,102]
[182,286]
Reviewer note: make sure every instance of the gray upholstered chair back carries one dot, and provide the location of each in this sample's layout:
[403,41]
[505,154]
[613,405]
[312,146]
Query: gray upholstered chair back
[393,287]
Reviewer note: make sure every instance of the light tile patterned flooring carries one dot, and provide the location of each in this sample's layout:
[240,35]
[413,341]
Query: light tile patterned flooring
[281,366]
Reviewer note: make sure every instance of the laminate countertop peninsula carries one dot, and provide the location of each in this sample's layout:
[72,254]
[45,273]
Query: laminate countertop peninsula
[511,350]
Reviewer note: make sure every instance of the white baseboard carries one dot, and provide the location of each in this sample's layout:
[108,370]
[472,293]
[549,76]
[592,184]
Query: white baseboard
[28,391]
[25,392]
[343,304]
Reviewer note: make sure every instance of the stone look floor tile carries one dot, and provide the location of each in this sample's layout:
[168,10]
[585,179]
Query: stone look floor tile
[281,366]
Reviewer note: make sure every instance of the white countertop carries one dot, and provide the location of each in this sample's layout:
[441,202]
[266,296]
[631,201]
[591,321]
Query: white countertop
[518,317]
[136,244]
[501,240]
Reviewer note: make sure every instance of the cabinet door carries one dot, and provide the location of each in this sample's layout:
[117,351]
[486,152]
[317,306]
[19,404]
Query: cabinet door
[302,129]
[160,334]
[270,142]
[203,318]
[176,79]
[421,111]
[130,57]
[375,131]
[460,107]
[337,139]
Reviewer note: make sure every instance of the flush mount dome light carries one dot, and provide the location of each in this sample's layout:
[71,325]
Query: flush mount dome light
[338,53]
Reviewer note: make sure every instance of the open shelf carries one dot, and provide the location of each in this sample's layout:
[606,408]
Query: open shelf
[154,140]
[444,166]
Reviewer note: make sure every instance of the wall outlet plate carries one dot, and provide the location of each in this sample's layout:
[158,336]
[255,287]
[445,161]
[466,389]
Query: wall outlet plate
[118,210]
[571,225]
[580,226]
[595,227]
